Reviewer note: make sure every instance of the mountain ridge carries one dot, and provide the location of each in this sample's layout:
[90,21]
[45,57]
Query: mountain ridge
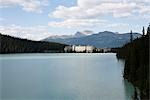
[105,39]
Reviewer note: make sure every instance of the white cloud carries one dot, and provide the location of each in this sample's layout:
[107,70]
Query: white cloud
[96,8]
[33,33]
[87,23]
[116,25]
[72,23]
[90,13]
[27,5]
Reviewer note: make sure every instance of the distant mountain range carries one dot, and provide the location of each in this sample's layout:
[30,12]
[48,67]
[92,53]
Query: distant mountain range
[104,39]
[76,35]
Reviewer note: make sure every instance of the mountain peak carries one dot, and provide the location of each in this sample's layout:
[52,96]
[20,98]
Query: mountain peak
[106,32]
[79,34]
[83,33]
[106,39]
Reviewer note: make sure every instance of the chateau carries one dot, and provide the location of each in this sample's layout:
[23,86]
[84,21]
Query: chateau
[79,48]
[85,49]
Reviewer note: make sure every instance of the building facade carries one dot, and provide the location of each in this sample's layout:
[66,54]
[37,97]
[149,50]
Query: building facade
[79,48]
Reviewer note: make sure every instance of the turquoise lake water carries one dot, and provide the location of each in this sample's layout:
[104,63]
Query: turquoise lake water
[63,76]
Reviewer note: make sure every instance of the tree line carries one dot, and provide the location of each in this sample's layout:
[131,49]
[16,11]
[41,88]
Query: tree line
[136,55]
[9,44]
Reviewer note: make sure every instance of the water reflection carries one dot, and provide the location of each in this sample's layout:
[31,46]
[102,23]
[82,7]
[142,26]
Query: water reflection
[129,90]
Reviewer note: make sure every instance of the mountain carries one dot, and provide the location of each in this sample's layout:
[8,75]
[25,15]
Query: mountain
[79,34]
[104,39]
[9,44]
[84,33]
[61,36]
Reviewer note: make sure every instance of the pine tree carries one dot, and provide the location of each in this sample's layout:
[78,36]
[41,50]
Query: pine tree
[143,31]
[131,37]
[148,30]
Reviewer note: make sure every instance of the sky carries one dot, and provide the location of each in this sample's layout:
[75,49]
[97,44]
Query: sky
[38,19]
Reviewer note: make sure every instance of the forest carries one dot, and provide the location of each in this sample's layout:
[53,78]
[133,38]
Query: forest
[9,44]
[136,56]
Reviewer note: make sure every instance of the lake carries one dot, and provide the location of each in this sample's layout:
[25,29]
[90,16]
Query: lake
[63,76]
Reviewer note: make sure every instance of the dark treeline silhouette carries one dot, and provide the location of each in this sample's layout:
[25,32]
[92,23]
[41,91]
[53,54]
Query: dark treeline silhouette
[136,55]
[9,44]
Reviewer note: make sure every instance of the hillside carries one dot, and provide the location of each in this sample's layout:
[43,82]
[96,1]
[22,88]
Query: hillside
[136,55]
[104,39]
[10,44]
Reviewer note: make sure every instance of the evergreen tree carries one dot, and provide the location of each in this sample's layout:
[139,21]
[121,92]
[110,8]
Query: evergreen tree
[131,36]
[143,31]
[148,30]
[9,44]
[136,70]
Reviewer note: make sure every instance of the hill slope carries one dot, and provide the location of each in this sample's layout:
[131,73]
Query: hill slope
[104,39]
[10,44]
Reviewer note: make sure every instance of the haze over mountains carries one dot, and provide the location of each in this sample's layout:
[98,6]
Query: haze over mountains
[104,39]
[76,35]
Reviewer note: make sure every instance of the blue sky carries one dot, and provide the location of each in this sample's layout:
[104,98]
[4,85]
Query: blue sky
[37,19]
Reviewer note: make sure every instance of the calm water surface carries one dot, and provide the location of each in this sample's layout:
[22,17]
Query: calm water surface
[63,77]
